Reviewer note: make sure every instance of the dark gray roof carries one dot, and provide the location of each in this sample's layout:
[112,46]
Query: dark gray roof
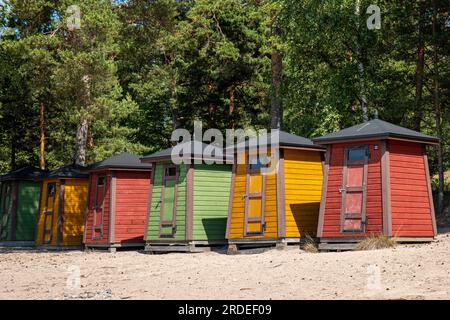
[71,171]
[197,148]
[121,161]
[26,173]
[375,129]
[285,140]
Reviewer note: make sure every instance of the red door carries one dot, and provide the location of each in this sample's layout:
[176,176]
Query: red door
[354,189]
[99,207]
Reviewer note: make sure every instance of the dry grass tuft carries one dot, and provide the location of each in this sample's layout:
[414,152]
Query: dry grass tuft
[375,243]
[310,245]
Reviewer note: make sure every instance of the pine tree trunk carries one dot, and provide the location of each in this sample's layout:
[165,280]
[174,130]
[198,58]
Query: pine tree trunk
[81,142]
[418,112]
[276,104]
[232,107]
[42,137]
[361,70]
[438,110]
[174,103]
[13,152]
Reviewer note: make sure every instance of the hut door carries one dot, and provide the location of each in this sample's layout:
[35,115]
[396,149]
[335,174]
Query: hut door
[254,223]
[100,192]
[354,189]
[49,213]
[6,208]
[168,202]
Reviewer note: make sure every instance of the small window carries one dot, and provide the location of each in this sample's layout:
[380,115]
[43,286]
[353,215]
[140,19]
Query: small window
[51,189]
[356,154]
[171,172]
[101,181]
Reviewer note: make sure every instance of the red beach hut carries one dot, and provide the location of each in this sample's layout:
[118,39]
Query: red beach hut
[117,202]
[376,182]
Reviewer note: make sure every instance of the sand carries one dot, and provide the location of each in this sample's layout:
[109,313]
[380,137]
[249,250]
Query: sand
[405,272]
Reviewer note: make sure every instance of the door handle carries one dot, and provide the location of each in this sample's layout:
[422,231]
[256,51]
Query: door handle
[342,190]
[244,196]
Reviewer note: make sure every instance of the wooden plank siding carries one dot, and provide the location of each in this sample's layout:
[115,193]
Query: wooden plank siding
[9,207]
[153,229]
[211,197]
[303,190]
[27,210]
[374,208]
[132,190]
[411,208]
[75,197]
[236,228]
[91,210]
[40,225]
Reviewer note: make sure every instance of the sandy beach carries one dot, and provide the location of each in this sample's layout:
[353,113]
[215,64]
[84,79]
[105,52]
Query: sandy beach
[419,271]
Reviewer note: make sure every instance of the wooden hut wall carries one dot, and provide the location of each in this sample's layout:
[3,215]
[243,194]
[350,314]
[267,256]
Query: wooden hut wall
[303,177]
[6,209]
[131,205]
[374,210]
[27,210]
[19,209]
[236,229]
[411,202]
[153,232]
[97,232]
[210,204]
[67,221]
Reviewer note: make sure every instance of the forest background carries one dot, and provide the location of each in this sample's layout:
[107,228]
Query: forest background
[81,80]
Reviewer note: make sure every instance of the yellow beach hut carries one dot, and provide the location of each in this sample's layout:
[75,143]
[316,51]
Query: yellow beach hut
[63,206]
[277,206]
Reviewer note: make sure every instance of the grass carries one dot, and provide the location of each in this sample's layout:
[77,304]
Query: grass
[375,243]
[310,245]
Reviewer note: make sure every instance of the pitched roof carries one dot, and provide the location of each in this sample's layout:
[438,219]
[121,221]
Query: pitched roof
[375,129]
[285,140]
[196,148]
[70,171]
[121,161]
[26,173]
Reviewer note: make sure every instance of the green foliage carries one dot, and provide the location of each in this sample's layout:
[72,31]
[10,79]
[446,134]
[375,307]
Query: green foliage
[137,69]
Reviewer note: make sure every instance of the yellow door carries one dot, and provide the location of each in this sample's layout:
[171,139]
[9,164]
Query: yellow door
[254,214]
[47,229]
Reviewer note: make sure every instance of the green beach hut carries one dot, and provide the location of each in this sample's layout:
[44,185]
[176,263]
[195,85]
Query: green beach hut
[188,205]
[19,206]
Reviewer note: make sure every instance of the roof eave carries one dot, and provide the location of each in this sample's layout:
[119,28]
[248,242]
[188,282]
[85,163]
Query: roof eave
[325,141]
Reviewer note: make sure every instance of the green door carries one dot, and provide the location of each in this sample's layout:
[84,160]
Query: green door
[27,210]
[6,211]
[168,202]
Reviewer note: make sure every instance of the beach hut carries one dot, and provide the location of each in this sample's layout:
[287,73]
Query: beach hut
[377,182]
[19,206]
[62,209]
[280,206]
[188,202]
[117,203]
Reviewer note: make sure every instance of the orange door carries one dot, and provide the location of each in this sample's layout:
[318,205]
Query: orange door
[354,189]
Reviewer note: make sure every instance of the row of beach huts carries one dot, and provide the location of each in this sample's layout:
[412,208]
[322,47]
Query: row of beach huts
[369,179]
